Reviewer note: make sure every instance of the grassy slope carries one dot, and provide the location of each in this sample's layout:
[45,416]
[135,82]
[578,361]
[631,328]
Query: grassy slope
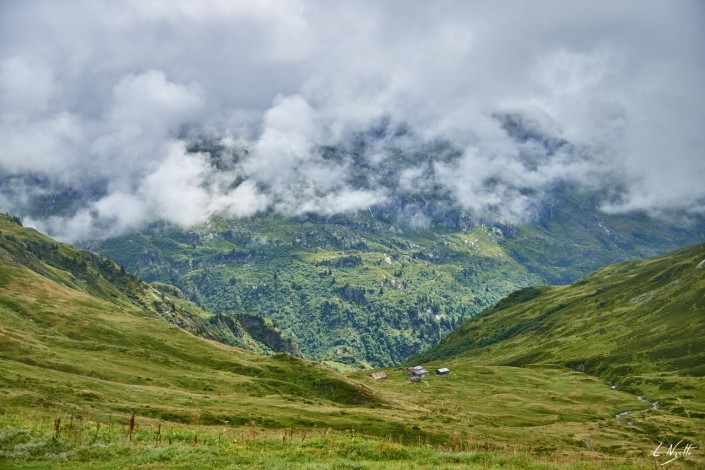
[638,325]
[118,358]
[648,314]
[101,278]
[66,353]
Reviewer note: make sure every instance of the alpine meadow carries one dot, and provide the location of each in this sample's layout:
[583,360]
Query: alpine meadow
[308,234]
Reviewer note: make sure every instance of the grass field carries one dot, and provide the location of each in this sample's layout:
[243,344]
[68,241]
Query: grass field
[30,442]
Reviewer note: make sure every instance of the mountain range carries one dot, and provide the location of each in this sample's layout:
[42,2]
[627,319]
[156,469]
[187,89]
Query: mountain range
[370,288]
[601,371]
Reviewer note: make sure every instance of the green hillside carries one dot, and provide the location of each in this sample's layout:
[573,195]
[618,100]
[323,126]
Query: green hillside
[638,325]
[638,316]
[573,237]
[75,366]
[101,278]
[350,292]
[373,288]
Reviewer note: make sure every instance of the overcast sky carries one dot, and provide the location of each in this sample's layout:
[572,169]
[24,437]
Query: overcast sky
[108,91]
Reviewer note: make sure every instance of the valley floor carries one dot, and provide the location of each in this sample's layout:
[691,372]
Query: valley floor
[478,416]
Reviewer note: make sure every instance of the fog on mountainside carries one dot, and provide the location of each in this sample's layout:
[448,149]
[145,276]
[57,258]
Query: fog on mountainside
[110,114]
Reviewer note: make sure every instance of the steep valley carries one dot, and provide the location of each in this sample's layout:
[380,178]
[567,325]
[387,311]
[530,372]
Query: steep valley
[364,289]
[519,394]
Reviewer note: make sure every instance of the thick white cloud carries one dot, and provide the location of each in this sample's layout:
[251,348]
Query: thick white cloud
[25,87]
[286,141]
[102,91]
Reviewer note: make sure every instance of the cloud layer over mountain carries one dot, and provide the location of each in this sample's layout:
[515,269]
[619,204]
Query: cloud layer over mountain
[106,95]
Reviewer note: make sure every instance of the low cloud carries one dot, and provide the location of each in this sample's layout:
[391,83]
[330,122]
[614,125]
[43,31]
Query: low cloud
[103,102]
